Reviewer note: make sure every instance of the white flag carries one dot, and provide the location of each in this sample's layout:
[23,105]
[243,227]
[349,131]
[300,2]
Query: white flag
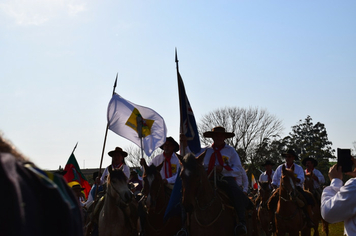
[122,120]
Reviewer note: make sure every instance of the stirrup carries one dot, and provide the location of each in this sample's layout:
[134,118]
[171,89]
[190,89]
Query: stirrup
[240,229]
[183,231]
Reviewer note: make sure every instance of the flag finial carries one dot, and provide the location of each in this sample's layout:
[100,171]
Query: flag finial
[176,56]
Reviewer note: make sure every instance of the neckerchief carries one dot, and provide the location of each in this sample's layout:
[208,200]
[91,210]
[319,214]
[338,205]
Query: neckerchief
[289,166]
[118,166]
[309,171]
[168,167]
[217,155]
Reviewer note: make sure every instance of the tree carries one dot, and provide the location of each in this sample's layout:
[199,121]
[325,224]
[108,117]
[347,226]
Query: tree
[309,140]
[252,127]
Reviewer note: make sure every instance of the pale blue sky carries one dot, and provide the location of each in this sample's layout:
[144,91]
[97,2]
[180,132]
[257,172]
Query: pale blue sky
[59,59]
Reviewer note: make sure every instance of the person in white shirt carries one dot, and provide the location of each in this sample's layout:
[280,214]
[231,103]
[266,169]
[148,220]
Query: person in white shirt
[338,202]
[117,162]
[242,181]
[310,164]
[171,163]
[227,163]
[267,175]
[290,156]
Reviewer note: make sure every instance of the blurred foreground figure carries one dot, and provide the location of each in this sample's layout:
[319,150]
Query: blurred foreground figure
[338,201]
[33,201]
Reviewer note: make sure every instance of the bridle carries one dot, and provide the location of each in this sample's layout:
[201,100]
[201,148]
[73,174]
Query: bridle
[160,188]
[209,204]
[119,202]
[292,193]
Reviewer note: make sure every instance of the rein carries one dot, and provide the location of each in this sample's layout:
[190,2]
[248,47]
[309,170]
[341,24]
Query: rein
[156,198]
[287,200]
[157,231]
[210,203]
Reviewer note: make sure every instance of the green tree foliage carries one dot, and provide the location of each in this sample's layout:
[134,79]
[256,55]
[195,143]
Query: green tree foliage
[311,140]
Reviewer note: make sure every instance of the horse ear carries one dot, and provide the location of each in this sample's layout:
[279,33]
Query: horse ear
[200,158]
[180,157]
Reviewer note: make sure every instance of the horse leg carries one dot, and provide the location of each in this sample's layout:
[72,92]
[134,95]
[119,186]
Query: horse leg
[325,227]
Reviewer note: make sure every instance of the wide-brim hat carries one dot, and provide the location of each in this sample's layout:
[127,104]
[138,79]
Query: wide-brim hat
[304,162]
[268,162]
[176,145]
[290,152]
[77,187]
[218,130]
[119,150]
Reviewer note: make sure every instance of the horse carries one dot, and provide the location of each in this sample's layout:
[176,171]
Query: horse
[288,216]
[209,212]
[309,186]
[263,214]
[119,213]
[155,202]
[34,201]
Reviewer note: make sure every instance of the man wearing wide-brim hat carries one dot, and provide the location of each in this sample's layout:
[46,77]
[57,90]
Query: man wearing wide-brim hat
[77,189]
[227,163]
[267,175]
[117,161]
[169,159]
[290,156]
[310,164]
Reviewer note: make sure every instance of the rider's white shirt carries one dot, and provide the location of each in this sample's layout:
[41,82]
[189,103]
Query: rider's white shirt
[320,177]
[298,170]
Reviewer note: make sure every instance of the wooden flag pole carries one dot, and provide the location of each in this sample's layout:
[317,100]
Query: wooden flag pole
[102,153]
[106,131]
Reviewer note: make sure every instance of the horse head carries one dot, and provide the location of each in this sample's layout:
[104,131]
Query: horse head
[309,181]
[288,182]
[265,190]
[193,175]
[117,185]
[152,184]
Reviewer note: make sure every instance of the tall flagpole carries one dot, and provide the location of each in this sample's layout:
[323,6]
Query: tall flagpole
[107,128]
[182,151]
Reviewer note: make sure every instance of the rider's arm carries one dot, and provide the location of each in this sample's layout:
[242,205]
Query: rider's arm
[338,202]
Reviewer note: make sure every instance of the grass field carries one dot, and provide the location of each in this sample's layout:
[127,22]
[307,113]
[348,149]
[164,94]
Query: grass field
[336,229]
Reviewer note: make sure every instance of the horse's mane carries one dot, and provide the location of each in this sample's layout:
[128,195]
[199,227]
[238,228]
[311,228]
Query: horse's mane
[7,147]
[190,161]
[117,174]
[150,170]
[290,173]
